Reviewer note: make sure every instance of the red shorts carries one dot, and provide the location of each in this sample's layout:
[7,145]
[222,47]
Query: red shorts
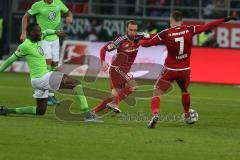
[168,76]
[118,77]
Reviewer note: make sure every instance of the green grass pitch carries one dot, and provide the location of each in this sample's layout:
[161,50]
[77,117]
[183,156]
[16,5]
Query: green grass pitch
[216,136]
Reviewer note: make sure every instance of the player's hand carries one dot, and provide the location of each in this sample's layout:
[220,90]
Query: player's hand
[140,42]
[230,18]
[105,66]
[69,20]
[61,34]
[23,37]
[136,40]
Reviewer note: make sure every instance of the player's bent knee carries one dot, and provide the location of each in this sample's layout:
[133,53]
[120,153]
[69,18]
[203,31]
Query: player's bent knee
[49,61]
[54,64]
[114,92]
[157,92]
[133,88]
[185,92]
[132,83]
[68,82]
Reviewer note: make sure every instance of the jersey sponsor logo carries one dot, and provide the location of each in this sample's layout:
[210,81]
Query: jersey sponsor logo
[178,33]
[51,15]
[40,50]
[125,45]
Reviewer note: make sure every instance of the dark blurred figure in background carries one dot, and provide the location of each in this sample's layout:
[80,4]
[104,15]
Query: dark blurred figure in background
[1,36]
[157,8]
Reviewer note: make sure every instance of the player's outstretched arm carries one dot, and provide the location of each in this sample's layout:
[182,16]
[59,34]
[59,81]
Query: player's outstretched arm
[24,26]
[207,26]
[105,65]
[108,47]
[69,17]
[8,62]
[103,54]
[156,40]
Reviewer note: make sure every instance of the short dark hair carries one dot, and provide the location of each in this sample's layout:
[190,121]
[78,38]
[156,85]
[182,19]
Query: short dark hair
[132,22]
[177,16]
[30,27]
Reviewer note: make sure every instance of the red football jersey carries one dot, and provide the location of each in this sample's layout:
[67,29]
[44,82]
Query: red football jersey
[178,41]
[126,49]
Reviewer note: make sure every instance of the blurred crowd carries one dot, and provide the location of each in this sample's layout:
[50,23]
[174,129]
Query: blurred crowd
[139,9]
[154,8]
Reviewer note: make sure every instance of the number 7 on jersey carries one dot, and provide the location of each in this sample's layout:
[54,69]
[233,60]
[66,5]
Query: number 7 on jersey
[181,48]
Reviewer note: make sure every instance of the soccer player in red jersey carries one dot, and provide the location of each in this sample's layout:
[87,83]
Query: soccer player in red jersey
[122,84]
[178,40]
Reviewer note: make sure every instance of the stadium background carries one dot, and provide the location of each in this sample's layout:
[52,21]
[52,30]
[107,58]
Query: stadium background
[215,136]
[102,20]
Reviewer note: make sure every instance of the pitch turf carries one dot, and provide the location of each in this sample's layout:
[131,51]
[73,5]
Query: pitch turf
[216,135]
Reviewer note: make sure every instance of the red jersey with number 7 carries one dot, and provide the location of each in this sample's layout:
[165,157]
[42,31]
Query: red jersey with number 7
[178,41]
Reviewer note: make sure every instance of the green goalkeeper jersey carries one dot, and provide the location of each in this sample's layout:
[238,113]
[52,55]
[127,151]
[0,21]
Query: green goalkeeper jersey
[34,55]
[48,16]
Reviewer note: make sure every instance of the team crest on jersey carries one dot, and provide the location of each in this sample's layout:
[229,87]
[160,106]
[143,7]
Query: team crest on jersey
[126,45]
[51,15]
[40,51]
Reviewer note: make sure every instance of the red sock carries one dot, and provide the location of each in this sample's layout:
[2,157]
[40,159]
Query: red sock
[122,94]
[102,105]
[186,102]
[155,105]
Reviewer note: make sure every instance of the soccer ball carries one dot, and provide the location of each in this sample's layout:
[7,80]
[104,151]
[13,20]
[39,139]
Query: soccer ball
[192,118]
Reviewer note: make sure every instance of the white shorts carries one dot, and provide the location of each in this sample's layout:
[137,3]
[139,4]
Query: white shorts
[49,81]
[51,49]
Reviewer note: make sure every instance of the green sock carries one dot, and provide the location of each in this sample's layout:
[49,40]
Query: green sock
[23,110]
[81,98]
[54,68]
[49,67]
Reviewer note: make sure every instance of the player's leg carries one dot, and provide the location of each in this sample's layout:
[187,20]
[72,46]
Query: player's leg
[130,87]
[18,110]
[162,86]
[54,45]
[41,101]
[41,92]
[46,45]
[120,94]
[113,104]
[123,85]
[115,83]
[101,108]
[70,83]
[183,82]
[41,106]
